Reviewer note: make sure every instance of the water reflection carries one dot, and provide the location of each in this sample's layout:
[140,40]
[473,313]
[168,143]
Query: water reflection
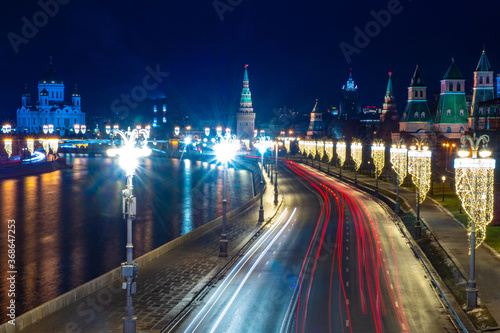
[69,226]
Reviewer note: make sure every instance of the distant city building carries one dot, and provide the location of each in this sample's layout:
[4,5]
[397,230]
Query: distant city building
[389,107]
[484,90]
[50,108]
[349,100]
[245,117]
[452,115]
[417,116]
[316,125]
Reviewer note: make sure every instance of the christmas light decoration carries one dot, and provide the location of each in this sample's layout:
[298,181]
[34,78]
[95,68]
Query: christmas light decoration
[399,161]
[357,157]
[474,183]
[329,150]
[378,156]
[54,145]
[46,146]
[8,146]
[419,166]
[341,154]
[320,147]
[31,145]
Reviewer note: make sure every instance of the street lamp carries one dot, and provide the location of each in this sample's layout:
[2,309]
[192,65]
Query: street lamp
[443,178]
[341,153]
[134,146]
[262,146]
[357,156]
[399,161]
[474,183]
[378,156]
[320,147]
[8,146]
[276,174]
[419,166]
[329,153]
[225,150]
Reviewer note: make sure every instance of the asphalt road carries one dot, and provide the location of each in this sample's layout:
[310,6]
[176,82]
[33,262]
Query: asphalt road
[333,261]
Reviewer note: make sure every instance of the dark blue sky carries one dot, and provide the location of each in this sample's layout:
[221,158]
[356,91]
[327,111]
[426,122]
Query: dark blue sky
[292,48]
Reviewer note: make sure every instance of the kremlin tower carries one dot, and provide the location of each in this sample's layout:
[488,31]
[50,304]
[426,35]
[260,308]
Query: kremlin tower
[483,91]
[316,126]
[389,107]
[417,116]
[245,117]
[452,116]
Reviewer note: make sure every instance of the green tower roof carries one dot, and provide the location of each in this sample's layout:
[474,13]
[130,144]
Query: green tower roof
[388,92]
[417,80]
[453,73]
[483,64]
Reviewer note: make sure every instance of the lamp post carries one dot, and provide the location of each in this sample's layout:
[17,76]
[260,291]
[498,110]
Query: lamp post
[134,146]
[419,166]
[443,178]
[262,146]
[225,150]
[341,153]
[378,156]
[474,183]
[320,147]
[399,161]
[357,157]
[276,175]
[329,154]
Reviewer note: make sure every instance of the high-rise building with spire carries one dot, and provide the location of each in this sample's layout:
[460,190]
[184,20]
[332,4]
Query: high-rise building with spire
[389,106]
[316,125]
[350,108]
[417,116]
[245,117]
[484,90]
[452,115]
[51,108]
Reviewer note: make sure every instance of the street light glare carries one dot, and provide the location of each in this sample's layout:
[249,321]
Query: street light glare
[225,151]
[187,140]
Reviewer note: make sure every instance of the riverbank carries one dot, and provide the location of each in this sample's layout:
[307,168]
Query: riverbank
[20,170]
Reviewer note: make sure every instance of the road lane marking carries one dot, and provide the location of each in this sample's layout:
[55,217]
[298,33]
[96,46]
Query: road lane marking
[347,269]
[346,258]
[347,301]
[250,272]
[347,323]
[347,283]
[229,278]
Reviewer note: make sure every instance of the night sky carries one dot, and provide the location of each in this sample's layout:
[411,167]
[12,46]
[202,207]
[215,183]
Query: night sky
[292,48]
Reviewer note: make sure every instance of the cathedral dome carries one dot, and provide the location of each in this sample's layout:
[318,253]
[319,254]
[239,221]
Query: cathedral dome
[50,76]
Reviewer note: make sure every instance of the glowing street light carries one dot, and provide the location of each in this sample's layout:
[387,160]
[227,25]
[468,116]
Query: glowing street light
[474,183]
[45,129]
[177,130]
[357,157]
[277,144]
[8,146]
[83,129]
[207,131]
[31,145]
[341,154]
[263,145]
[399,161]
[218,130]
[225,151]
[108,129]
[378,156]
[419,166]
[228,131]
[7,128]
[329,153]
[51,128]
[134,146]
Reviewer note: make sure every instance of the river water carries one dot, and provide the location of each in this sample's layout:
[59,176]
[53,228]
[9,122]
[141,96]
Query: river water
[69,226]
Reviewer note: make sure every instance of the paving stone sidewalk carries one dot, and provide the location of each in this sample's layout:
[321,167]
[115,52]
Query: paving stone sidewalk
[164,285]
[453,238]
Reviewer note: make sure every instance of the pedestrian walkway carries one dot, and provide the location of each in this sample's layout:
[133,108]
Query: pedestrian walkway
[164,285]
[451,235]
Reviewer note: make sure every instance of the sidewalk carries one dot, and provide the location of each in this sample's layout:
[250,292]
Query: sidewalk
[451,235]
[164,285]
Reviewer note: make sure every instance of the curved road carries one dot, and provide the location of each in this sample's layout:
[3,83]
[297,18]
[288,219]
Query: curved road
[333,261]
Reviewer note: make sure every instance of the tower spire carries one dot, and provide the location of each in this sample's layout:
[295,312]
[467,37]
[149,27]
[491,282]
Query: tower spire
[245,117]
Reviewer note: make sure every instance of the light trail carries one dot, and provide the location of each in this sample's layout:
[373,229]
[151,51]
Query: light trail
[251,270]
[229,278]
